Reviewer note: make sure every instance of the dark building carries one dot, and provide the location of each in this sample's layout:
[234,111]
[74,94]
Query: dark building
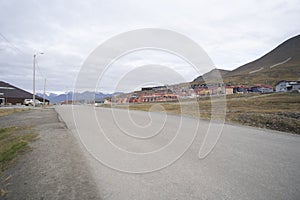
[10,94]
[241,89]
[260,88]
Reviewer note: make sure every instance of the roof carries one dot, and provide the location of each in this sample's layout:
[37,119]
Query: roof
[241,86]
[10,91]
[294,83]
[290,82]
[263,85]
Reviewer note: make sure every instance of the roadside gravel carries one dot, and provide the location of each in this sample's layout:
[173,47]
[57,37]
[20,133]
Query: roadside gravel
[55,167]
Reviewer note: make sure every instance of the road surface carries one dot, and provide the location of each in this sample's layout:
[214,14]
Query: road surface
[246,163]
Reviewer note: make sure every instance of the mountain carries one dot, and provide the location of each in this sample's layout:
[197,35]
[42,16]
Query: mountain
[213,74]
[86,96]
[282,63]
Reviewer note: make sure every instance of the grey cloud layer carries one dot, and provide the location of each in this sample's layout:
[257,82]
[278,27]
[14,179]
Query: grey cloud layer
[232,32]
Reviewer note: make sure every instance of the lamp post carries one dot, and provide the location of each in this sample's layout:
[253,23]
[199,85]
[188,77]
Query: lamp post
[33,82]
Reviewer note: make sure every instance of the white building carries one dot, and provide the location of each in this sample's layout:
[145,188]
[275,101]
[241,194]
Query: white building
[286,86]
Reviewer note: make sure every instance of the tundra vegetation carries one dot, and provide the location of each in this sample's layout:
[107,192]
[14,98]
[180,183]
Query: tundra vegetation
[277,111]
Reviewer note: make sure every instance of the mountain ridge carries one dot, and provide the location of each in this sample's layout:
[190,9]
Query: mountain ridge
[84,96]
[281,63]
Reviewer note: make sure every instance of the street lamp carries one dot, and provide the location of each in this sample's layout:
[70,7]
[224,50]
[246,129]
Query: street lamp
[33,82]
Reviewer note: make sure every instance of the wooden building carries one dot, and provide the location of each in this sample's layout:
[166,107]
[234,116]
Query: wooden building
[11,95]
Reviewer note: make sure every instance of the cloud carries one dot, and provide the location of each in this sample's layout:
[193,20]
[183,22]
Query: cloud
[231,32]
[151,66]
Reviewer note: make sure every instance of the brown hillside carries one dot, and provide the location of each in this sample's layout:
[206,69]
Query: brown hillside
[282,63]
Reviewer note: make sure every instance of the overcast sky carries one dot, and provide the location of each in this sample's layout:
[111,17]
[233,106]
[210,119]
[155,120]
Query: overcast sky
[231,32]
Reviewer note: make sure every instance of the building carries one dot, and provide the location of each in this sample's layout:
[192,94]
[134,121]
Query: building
[260,88]
[287,86]
[135,98]
[241,89]
[11,95]
[159,98]
[228,89]
[158,89]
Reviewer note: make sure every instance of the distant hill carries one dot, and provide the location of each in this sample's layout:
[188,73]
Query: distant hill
[55,98]
[282,63]
[213,74]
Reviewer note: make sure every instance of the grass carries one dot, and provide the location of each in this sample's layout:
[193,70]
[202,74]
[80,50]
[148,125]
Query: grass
[277,111]
[13,141]
[8,111]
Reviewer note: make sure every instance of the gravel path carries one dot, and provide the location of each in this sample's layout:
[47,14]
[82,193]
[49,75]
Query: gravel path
[55,168]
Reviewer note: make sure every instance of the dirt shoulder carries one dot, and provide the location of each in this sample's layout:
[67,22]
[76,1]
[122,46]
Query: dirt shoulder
[54,167]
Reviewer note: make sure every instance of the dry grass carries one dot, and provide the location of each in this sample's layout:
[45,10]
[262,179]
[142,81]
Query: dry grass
[274,111]
[9,111]
[277,111]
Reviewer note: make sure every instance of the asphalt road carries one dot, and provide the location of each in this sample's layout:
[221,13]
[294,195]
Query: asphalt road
[246,163]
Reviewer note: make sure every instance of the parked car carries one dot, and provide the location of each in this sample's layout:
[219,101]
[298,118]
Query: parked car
[99,102]
[29,102]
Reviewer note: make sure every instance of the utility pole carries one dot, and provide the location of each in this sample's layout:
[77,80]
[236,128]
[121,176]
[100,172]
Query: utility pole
[33,81]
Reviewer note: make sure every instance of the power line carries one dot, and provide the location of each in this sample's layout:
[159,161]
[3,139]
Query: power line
[38,69]
[11,44]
